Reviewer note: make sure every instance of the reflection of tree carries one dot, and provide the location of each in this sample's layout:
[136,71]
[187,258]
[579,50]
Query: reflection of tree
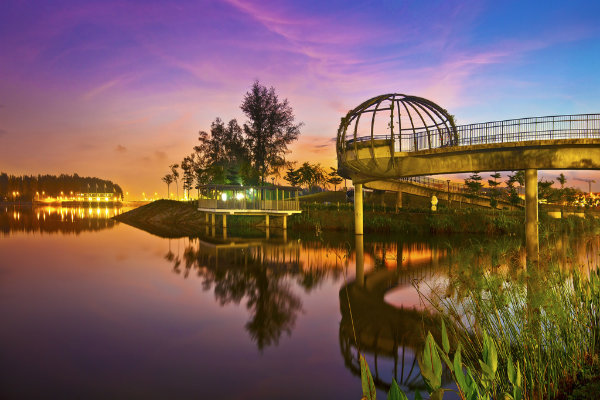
[249,273]
[274,307]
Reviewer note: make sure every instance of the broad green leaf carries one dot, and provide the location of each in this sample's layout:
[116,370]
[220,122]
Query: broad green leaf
[437,395]
[418,395]
[510,371]
[431,368]
[458,371]
[493,356]
[368,386]
[395,392]
[445,341]
[518,376]
[446,359]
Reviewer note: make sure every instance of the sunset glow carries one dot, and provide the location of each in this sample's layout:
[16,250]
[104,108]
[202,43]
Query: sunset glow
[119,90]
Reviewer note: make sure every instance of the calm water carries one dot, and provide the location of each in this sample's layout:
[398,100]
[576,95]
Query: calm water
[92,308]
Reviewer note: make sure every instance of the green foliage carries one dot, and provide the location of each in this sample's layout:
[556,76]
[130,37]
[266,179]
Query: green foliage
[395,392]
[269,130]
[368,386]
[431,365]
[474,184]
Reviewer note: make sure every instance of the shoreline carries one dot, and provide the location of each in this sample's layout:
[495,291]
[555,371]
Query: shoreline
[173,217]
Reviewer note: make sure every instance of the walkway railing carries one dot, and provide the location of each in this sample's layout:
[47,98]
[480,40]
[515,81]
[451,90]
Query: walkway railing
[438,184]
[579,126]
[249,205]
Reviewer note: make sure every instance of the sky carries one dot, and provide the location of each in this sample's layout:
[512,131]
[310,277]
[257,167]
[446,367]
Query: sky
[120,89]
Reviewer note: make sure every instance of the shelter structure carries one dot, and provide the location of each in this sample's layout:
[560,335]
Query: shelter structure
[267,201]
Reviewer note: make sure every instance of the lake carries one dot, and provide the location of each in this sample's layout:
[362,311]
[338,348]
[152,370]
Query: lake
[93,308]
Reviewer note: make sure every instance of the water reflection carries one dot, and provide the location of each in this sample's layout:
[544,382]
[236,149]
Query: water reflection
[65,220]
[380,321]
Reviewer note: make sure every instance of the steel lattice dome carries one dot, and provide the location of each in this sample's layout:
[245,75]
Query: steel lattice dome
[409,123]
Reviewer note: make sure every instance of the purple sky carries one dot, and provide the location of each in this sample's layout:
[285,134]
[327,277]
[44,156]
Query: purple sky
[120,89]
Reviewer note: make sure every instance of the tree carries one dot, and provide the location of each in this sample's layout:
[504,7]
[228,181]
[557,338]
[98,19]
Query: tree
[222,155]
[292,176]
[493,189]
[333,178]
[187,166]
[545,190]
[311,175]
[175,175]
[168,179]
[269,130]
[474,184]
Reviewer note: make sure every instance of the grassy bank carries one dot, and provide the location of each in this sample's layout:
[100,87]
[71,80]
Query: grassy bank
[172,218]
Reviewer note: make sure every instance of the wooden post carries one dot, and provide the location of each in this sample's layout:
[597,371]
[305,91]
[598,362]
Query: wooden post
[224,221]
[267,221]
[284,221]
[212,219]
[277,198]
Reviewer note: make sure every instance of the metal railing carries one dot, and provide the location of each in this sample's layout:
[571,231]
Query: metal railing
[579,126]
[438,184]
[244,204]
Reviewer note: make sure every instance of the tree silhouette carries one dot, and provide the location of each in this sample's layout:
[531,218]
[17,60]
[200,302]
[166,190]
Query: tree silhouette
[333,178]
[175,175]
[168,179]
[269,130]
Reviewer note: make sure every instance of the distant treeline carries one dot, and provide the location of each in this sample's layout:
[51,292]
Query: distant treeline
[51,185]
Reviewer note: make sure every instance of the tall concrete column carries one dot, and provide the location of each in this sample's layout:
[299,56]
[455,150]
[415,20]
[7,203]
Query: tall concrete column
[358,208]
[531,215]
[398,200]
[359,259]
[285,222]
[224,221]
[267,221]
[212,219]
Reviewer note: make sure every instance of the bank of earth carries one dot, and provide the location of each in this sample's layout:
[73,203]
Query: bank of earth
[174,218]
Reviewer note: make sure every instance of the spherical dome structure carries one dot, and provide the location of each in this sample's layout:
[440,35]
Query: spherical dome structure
[406,123]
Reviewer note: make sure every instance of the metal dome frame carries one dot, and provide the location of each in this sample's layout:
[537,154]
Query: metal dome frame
[429,124]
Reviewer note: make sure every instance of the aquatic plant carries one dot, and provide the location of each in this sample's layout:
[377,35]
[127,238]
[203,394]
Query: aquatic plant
[516,341]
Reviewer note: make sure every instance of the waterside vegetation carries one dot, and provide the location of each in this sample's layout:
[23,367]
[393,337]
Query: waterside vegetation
[183,218]
[536,337]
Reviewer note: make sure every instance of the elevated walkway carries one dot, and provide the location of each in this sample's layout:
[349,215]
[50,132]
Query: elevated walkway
[415,137]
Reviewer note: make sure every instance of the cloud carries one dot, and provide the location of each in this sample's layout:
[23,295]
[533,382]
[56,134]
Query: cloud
[160,155]
[120,149]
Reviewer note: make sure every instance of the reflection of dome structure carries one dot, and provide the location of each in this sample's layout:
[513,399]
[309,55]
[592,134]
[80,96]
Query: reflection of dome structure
[409,123]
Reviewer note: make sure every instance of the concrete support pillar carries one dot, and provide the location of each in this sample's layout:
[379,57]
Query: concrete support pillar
[267,221]
[206,218]
[398,200]
[224,221]
[212,219]
[531,215]
[224,233]
[358,208]
[359,259]
[285,222]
